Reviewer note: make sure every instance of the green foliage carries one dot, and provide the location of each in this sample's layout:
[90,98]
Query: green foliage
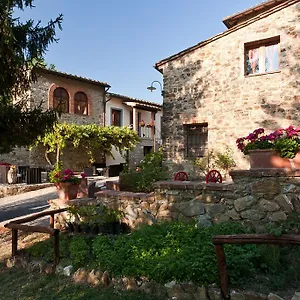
[290,226]
[285,141]
[57,168]
[95,214]
[182,252]
[88,138]
[224,160]
[216,160]
[141,179]
[79,251]
[287,147]
[20,126]
[21,44]
[170,251]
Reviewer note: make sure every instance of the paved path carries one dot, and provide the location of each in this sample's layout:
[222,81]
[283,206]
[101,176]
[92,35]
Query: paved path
[26,203]
[35,201]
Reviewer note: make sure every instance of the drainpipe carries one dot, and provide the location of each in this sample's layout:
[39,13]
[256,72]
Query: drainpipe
[105,100]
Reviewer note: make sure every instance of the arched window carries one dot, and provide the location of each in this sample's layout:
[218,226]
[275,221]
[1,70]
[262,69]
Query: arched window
[80,103]
[61,100]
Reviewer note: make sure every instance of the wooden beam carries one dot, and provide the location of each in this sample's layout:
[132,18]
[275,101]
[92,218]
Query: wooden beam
[37,216]
[27,228]
[286,239]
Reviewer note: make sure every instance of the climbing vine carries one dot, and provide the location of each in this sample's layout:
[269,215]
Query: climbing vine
[88,137]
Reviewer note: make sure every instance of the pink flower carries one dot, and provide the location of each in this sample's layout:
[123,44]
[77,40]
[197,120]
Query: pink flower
[68,172]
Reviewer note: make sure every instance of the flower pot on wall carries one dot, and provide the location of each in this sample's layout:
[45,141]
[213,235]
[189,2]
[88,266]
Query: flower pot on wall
[67,191]
[270,159]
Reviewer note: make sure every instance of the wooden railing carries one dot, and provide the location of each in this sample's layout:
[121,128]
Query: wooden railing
[220,240]
[17,225]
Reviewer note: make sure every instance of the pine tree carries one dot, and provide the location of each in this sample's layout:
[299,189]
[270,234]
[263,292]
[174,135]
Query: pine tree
[22,44]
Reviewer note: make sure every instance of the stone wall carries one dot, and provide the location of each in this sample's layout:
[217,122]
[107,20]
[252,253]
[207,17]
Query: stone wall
[254,198]
[208,85]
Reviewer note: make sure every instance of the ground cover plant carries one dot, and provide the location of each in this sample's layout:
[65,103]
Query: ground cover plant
[182,252]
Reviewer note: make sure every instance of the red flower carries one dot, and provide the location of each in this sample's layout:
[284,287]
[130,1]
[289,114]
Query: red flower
[83,175]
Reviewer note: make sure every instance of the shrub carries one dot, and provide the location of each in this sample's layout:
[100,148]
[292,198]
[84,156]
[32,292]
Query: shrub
[216,159]
[172,251]
[79,251]
[141,179]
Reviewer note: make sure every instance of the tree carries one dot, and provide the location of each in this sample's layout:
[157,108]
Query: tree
[89,138]
[21,45]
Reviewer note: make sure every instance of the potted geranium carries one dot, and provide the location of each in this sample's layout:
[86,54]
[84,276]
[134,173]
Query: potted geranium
[279,149]
[67,184]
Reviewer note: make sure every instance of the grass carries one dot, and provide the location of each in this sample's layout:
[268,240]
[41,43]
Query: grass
[19,284]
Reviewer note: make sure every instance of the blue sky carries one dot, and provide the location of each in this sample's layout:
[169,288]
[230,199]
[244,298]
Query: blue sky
[119,41]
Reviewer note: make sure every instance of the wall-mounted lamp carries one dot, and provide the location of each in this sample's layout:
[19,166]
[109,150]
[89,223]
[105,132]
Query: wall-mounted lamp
[152,88]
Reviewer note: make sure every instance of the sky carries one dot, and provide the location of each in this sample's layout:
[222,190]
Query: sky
[119,41]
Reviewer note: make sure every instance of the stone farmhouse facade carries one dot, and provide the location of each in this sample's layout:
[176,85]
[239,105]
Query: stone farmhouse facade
[82,101]
[225,87]
[142,116]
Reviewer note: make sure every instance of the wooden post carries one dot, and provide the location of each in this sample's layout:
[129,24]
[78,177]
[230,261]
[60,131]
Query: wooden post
[56,246]
[14,242]
[222,270]
[52,220]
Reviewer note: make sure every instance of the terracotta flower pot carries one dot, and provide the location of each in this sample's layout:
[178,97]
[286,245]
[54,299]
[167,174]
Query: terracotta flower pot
[270,159]
[67,191]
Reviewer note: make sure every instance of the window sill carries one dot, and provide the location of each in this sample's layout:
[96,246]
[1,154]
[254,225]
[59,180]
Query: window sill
[261,74]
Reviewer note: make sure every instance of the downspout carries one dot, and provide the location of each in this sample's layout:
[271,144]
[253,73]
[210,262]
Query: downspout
[105,100]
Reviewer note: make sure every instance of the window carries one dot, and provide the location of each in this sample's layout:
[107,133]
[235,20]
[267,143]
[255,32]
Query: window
[61,100]
[116,117]
[196,139]
[80,104]
[262,56]
[147,150]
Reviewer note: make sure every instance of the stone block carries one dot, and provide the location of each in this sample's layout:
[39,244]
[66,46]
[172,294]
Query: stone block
[254,296]
[277,216]
[80,276]
[285,202]
[244,203]
[193,208]
[235,295]
[232,214]
[268,187]
[214,294]
[253,214]
[268,205]
[274,297]
[214,210]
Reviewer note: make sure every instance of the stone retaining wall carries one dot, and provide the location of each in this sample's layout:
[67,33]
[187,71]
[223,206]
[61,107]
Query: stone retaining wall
[15,189]
[254,197]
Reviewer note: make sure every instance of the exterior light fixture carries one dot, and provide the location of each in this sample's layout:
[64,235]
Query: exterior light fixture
[152,88]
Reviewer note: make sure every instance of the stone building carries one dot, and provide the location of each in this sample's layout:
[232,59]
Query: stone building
[87,101]
[81,101]
[225,87]
[142,116]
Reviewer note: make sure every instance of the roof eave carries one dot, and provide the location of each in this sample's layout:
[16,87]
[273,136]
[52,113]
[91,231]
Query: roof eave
[158,65]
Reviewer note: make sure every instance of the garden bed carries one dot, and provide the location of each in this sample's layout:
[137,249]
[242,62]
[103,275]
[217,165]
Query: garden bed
[178,252]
